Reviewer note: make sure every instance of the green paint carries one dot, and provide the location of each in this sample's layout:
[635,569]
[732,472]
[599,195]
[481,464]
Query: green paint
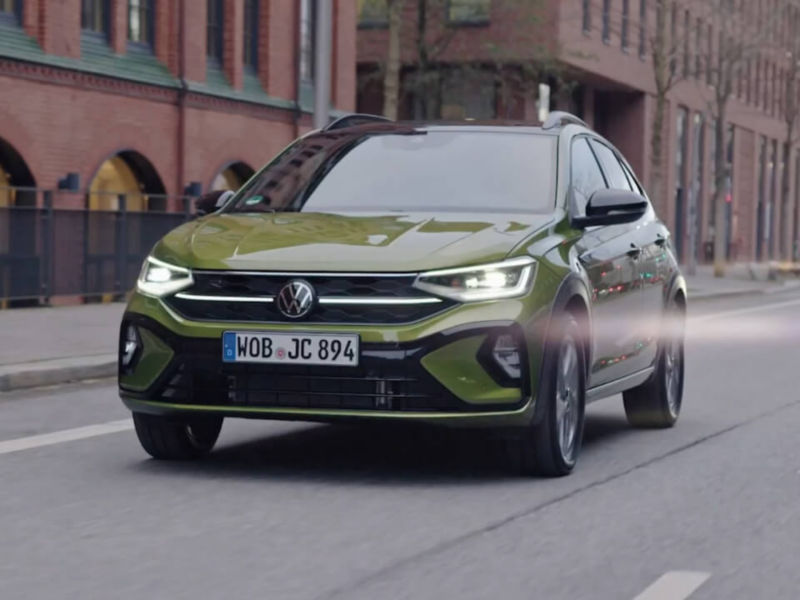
[456,367]
[154,359]
[300,242]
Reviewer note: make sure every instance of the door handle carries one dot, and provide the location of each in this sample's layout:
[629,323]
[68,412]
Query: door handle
[635,251]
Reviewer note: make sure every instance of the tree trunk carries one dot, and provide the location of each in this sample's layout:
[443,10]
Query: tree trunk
[657,150]
[721,172]
[660,69]
[391,81]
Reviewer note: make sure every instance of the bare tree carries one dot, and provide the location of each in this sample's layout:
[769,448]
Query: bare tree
[791,114]
[667,44]
[391,80]
[739,38]
[419,66]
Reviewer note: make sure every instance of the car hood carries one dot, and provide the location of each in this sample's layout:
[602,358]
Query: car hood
[346,242]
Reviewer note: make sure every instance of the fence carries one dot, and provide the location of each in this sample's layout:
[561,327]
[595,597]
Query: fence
[48,251]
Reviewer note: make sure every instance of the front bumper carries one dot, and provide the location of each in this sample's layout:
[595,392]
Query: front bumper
[436,374]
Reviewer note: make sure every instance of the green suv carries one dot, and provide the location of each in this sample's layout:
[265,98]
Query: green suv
[463,275]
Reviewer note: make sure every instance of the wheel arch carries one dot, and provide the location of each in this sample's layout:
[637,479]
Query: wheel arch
[676,291]
[571,297]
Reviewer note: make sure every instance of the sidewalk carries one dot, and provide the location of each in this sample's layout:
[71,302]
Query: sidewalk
[740,279]
[48,346]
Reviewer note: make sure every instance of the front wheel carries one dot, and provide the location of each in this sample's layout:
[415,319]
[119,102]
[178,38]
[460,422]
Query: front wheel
[550,447]
[656,404]
[171,438]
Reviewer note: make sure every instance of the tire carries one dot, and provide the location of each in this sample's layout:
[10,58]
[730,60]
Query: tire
[550,446]
[656,404]
[168,438]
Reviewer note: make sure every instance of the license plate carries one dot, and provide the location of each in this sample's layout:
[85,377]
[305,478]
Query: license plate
[290,348]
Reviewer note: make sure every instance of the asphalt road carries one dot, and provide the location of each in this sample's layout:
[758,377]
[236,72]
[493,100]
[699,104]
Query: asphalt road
[282,511]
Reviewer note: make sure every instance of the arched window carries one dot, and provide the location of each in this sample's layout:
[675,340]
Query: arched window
[14,173]
[6,193]
[232,177]
[129,174]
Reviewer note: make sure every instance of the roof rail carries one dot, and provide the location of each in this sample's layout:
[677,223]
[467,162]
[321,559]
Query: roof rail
[559,118]
[353,120]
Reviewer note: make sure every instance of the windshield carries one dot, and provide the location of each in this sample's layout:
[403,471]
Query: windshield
[415,170]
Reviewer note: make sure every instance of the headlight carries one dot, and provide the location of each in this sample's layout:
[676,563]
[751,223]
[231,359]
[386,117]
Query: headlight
[496,281]
[159,278]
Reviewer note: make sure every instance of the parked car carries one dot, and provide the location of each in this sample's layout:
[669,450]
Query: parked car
[460,275]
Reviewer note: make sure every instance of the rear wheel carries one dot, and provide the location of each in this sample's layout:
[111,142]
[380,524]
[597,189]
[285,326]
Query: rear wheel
[170,438]
[551,446]
[656,404]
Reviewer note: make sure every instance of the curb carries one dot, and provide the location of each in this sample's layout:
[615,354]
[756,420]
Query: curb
[52,372]
[695,296]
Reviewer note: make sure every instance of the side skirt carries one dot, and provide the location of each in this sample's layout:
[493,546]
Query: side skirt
[618,386]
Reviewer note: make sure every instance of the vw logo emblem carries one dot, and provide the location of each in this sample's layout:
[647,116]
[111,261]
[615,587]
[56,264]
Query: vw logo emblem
[296,299]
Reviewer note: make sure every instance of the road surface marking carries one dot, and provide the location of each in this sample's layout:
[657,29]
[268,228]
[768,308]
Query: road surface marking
[675,585]
[67,435]
[744,311]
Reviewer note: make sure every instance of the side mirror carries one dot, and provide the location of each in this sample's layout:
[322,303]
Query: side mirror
[612,207]
[211,202]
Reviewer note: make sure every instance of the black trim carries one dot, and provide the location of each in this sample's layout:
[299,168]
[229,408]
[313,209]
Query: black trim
[122,370]
[188,349]
[618,386]
[486,359]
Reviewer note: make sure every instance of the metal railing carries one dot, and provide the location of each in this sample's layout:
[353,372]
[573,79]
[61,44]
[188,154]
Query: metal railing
[49,249]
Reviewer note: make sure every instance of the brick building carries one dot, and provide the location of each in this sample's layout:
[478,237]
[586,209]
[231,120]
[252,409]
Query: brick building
[602,48]
[145,97]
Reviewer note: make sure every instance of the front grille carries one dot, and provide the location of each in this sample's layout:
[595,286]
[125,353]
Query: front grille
[208,284]
[377,383]
[226,283]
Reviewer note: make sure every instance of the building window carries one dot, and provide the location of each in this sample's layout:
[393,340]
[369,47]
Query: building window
[698,45]
[681,148]
[757,90]
[709,61]
[469,96]
[308,19]
[606,20]
[673,39]
[250,35]
[468,11]
[373,13]
[11,10]
[95,16]
[761,209]
[696,189]
[587,16]
[687,52]
[642,28]
[215,28]
[772,171]
[141,21]
[625,18]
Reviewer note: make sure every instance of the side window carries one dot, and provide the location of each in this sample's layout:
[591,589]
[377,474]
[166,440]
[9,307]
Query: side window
[587,177]
[632,178]
[616,176]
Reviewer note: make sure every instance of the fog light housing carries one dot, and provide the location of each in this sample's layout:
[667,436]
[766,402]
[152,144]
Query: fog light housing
[506,354]
[130,347]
